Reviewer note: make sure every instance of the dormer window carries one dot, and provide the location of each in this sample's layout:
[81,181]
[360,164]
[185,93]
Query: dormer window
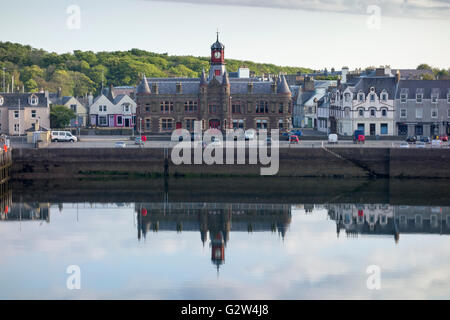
[372,97]
[384,96]
[33,100]
[361,97]
[347,97]
[419,98]
[403,98]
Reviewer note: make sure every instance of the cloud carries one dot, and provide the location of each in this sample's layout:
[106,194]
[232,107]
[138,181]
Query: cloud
[437,9]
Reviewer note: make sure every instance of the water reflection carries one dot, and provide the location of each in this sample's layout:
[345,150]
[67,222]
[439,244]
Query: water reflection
[215,219]
[196,246]
[385,219]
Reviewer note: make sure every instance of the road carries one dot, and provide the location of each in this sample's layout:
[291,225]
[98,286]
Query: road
[155,142]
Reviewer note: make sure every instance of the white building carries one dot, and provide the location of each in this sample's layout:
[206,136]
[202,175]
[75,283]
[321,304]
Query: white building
[113,111]
[368,105]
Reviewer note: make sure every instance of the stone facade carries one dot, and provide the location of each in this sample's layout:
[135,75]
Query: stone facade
[165,104]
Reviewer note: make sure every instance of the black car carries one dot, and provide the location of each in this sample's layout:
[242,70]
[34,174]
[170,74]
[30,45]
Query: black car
[425,139]
[411,139]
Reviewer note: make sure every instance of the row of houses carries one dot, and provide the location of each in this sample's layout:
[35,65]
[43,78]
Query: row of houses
[380,103]
[21,112]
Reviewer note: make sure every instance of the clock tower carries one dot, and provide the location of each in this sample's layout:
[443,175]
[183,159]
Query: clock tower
[217,67]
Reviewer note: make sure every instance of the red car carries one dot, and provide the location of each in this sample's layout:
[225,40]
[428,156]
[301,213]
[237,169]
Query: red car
[293,139]
[443,138]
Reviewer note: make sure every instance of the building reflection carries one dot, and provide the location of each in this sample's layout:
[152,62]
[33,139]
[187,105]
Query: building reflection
[385,219]
[213,220]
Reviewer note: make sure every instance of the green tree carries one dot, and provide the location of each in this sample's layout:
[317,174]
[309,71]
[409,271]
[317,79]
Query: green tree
[31,86]
[424,66]
[60,116]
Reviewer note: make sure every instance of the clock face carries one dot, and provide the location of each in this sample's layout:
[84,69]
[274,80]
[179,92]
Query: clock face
[217,54]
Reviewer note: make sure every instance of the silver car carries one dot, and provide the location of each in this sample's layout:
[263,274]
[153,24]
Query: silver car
[120,144]
[421,145]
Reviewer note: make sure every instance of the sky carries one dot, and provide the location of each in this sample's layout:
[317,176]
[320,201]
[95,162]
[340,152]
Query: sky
[304,33]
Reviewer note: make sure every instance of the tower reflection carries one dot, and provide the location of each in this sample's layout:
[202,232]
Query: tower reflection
[215,219]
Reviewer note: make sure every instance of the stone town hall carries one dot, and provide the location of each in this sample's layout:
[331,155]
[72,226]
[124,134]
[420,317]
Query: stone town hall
[165,104]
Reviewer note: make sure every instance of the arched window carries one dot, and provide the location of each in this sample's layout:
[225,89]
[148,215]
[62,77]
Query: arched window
[384,112]
[361,112]
[373,112]
[33,100]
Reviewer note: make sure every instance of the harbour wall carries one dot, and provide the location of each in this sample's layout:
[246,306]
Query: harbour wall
[356,162]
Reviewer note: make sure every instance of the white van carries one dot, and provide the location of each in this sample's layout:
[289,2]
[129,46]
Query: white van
[333,138]
[63,136]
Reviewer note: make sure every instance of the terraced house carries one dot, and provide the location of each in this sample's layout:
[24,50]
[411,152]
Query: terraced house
[423,107]
[217,100]
[367,105]
[109,110]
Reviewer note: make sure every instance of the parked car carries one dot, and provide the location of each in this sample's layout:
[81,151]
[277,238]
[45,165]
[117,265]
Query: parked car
[421,144]
[404,145]
[425,139]
[120,144]
[297,133]
[443,138]
[293,139]
[436,143]
[63,136]
[333,138]
[359,137]
[411,139]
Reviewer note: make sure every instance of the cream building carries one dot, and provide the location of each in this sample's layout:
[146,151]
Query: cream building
[21,111]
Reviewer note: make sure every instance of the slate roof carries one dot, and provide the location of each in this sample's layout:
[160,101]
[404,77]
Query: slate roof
[379,84]
[411,74]
[283,86]
[191,85]
[426,87]
[59,100]
[143,87]
[11,100]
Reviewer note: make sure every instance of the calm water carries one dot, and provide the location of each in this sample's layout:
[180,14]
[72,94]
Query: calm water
[263,246]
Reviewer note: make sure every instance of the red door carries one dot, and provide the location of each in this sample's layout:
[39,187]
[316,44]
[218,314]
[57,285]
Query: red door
[178,125]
